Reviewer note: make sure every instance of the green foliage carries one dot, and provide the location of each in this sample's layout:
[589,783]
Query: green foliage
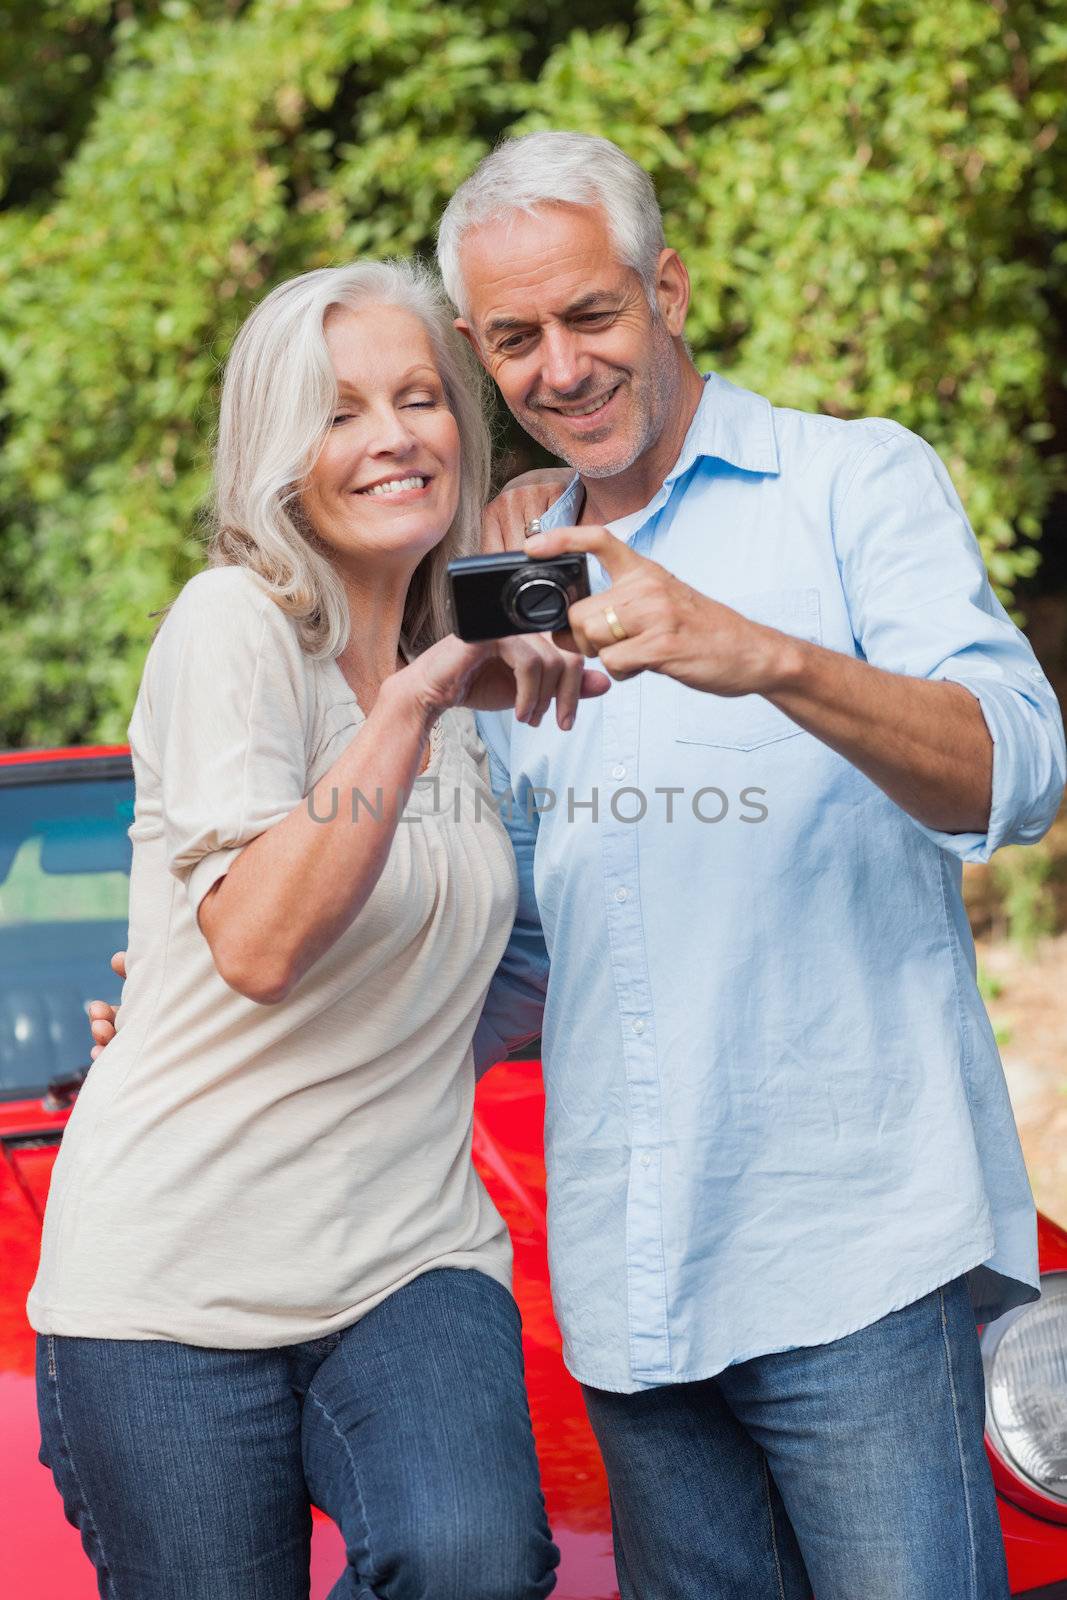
[1022,877]
[992,989]
[871,196]
[989,988]
[51,59]
[211,169]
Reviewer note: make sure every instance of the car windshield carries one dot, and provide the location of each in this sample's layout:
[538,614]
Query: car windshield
[64,890]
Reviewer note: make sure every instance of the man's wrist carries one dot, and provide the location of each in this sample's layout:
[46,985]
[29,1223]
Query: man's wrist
[785,665]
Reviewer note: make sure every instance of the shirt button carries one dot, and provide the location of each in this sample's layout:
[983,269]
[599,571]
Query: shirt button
[1036,674]
[618,770]
[621,895]
[645,1158]
[638,1025]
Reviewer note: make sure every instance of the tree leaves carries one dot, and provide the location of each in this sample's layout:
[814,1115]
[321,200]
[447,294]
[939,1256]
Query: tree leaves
[871,197]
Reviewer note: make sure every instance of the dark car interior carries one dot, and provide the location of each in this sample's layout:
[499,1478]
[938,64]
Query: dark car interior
[64,874]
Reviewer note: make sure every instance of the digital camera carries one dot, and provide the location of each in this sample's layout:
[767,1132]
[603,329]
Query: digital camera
[495,595]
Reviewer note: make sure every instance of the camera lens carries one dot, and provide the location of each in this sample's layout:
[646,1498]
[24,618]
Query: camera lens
[540,601]
[537,601]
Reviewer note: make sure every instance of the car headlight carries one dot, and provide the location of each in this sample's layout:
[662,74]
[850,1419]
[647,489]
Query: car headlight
[1025,1358]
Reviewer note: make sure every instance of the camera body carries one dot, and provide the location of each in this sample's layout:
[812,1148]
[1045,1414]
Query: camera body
[497,595]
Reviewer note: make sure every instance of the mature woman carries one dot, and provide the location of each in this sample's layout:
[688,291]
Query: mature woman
[270,1273]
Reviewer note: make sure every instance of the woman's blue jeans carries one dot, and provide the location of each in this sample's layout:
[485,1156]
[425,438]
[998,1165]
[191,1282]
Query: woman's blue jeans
[855,1469]
[190,1471]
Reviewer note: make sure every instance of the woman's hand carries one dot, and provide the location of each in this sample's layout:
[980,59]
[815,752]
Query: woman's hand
[505,519]
[542,673]
[525,671]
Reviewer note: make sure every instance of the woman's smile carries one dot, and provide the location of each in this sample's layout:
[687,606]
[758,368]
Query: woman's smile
[404,490]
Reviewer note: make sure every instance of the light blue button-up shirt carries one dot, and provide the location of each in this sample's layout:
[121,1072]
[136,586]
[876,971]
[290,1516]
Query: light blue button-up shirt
[775,1108]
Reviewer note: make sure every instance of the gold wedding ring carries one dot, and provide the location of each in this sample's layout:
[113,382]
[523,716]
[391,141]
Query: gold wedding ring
[617,629]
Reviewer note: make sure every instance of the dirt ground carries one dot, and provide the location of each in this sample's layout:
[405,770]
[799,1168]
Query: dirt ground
[1030,1016]
[1026,992]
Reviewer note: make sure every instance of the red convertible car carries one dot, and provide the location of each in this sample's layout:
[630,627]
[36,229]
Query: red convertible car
[64,864]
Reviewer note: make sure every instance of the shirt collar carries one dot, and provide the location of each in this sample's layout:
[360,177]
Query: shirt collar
[731,424]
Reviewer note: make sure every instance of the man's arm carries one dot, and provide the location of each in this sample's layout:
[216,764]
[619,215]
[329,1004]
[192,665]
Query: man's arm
[515,1003]
[945,708]
[966,732]
[925,744]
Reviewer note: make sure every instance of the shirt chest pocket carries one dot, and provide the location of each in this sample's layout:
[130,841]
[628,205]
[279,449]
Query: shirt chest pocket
[749,721]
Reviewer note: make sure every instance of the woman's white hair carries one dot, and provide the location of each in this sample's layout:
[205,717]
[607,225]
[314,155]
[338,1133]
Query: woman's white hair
[548,168]
[278,399]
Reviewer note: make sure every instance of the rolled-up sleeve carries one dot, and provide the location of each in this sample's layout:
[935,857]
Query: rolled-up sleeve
[225,692]
[515,1004]
[921,603]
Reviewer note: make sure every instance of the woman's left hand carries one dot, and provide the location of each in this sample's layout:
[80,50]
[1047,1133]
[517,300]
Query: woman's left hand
[544,672]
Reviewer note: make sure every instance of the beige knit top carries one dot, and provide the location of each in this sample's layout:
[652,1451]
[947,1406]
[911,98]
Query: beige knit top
[241,1175]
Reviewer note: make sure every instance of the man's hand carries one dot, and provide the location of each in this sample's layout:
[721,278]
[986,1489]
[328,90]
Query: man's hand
[668,626]
[925,743]
[101,1015]
[506,518]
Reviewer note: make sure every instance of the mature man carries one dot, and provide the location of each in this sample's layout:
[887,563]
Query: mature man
[784,1178]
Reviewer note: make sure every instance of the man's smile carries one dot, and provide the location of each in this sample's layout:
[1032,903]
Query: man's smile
[589,413]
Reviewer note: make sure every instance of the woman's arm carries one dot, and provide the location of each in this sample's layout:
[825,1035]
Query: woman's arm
[223,717]
[291,892]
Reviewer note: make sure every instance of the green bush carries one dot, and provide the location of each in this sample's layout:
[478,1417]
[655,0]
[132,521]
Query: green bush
[1022,879]
[871,198]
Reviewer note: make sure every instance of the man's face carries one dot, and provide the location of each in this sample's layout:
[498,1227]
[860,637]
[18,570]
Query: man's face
[567,333]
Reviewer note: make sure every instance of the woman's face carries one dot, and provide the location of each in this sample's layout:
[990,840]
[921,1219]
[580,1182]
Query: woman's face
[386,482]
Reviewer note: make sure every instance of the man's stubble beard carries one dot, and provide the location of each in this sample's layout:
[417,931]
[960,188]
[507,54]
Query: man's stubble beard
[664,388]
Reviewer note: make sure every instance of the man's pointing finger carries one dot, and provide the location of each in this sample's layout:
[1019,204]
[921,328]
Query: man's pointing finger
[614,556]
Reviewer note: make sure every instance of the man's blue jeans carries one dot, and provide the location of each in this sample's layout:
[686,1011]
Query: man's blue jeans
[855,1469]
[188,1471]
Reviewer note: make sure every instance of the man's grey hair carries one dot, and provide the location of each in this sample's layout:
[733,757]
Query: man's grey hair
[548,168]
